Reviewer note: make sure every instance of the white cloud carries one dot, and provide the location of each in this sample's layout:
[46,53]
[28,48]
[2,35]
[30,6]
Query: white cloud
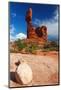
[52,24]
[14,37]
[18,36]
[21,36]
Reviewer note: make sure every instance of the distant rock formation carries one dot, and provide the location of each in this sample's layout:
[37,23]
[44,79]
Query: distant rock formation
[38,34]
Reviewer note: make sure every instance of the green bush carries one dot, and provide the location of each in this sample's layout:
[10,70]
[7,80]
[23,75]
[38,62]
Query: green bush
[53,44]
[31,48]
[50,46]
[20,44]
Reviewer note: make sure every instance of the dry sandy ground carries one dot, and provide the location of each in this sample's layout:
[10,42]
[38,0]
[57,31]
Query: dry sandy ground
[44,68]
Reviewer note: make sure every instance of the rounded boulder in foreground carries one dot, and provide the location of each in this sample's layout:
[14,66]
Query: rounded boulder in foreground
[23,74]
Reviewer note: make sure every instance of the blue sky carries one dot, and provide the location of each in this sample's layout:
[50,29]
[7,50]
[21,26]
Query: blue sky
[43,14]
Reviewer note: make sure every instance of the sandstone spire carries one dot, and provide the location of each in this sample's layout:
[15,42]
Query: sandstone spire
[38,34]
[29,15]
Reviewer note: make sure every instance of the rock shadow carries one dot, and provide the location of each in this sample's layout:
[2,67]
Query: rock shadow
[13,78]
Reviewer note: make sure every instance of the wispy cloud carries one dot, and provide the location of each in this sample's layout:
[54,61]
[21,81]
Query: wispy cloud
[12,30]
[13,15]
[52,24]
[14,37]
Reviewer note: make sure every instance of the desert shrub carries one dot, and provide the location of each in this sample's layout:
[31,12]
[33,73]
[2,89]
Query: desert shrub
[20,44]
[31,48]
[53,44]
[46,45]
[50,46]
[13,51]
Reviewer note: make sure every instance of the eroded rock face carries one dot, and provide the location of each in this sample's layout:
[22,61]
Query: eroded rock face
[29,15]
[23,74]
[39,34]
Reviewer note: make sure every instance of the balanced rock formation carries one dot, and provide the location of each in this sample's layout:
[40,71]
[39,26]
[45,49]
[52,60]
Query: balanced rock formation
[23,73]
[39,34]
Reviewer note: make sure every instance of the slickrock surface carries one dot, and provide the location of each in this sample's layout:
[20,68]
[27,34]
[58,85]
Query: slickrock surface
[44,68]
[23,73]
